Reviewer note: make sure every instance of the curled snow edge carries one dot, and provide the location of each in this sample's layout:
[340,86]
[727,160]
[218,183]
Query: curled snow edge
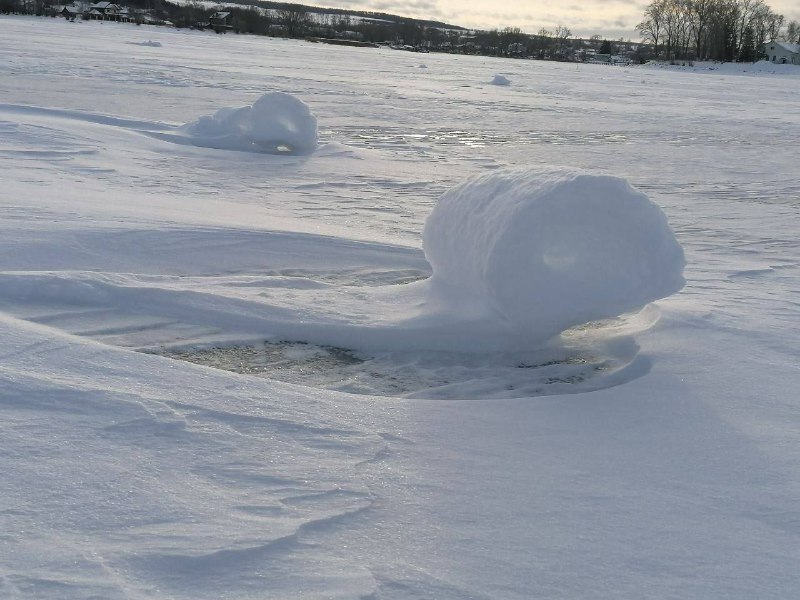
[537,251]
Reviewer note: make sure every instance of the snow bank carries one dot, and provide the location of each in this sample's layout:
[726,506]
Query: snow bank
[276,123]
[539,251]
[762,67]
[500,80]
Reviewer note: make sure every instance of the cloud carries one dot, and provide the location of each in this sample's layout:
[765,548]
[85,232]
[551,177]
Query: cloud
[416,7]
[607,18]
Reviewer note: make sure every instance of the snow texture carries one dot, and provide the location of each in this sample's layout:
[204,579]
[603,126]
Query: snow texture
[762,67]
[277,123]
[131,476]
[543,249]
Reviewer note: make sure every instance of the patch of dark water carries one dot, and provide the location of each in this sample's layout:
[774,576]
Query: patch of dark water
[419,374]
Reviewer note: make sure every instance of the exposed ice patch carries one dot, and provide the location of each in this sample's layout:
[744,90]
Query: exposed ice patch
[573,367]
[534,252]
[277,123]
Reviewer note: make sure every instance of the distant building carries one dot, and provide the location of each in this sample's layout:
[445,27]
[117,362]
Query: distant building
[108,11]
[782,53]
[607,59]
[220,21]
[69,11]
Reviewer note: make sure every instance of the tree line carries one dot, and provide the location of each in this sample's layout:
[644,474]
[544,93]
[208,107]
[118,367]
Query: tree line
[723,30]
[298,21]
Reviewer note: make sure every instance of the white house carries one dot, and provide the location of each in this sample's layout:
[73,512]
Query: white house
[108,11]
[782,52]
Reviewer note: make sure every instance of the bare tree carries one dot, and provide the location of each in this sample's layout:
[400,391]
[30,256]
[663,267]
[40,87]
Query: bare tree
[701,13]
[652,27]
[510,40]
[766,25]
[295,19]
[250,20]
[562,34]
[543,42]
[792,32]
[719,29]
[747,8]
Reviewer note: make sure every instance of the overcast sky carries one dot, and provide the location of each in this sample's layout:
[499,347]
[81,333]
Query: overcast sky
[609,18]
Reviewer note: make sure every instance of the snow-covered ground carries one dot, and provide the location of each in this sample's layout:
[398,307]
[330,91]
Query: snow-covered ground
[762,67]
[650,456]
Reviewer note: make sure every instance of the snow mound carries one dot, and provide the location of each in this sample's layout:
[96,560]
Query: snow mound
[540,251]
[277,123]
[500,80]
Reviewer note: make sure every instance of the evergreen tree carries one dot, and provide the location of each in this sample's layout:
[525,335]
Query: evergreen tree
[747,53]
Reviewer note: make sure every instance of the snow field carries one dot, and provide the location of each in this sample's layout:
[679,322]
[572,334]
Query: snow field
[127,475]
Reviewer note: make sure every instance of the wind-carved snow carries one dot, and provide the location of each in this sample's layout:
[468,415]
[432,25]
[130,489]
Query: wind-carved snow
[127,475]
[518,257]
[147,44]
[276,123]
[559,248]
[588,359]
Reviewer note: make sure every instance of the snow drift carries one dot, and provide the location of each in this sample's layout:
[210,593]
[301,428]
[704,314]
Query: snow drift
[539,251]
[277,123]
[500,80]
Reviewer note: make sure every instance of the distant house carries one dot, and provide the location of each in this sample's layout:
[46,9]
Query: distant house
[220,21]
[782,53]
[607,59]
[108,11]
[70,11]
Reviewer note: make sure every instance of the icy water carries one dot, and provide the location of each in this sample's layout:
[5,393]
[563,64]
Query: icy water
[411,375]
[574,365]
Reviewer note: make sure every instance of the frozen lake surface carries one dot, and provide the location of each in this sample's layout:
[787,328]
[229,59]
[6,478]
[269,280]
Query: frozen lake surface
[337,447]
